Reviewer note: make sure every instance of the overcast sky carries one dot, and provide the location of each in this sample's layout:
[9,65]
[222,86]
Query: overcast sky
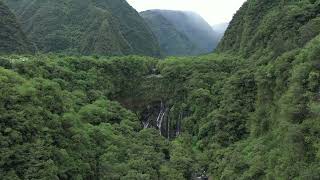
[214,11]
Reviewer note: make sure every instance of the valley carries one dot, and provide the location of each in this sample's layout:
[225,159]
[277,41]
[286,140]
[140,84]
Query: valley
[95,90]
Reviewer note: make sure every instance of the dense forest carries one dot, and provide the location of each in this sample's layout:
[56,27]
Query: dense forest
[251,110]
[86,27]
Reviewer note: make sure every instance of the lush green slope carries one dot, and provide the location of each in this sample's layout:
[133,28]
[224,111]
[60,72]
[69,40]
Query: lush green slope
[12,39]
[56,121]
[270,28]
[236,114]
[224,115]
[181,33]
[280,41]
[85,27]
[172,42]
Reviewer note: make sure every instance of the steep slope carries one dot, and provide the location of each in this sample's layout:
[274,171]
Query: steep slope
[181,33]
[256,115]
[274,132]
[247,112]
[270,28]
[104,27]
[12,39]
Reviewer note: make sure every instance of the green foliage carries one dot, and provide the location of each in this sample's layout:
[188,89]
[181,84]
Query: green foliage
[12,39]
[52,127]
[102,111]
[248,112]
[283,124]
[271,28]
[85,27]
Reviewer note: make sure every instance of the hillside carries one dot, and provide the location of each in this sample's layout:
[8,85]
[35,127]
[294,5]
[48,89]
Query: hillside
[181,33]
[274,132]
[249,111]
[12,39]
[270,28]
[85,27]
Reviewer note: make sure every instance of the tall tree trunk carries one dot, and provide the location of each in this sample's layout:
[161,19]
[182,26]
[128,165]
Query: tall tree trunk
[168,126]
[178,124]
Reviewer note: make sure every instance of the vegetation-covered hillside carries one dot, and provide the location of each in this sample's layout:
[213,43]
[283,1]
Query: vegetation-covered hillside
[270,28]
[181,33]
[57,121]
[85,27]
[246,112]
[12,39]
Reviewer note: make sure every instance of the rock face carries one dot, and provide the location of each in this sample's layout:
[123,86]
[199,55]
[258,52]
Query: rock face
[181,33]
[104,27]
[12,39]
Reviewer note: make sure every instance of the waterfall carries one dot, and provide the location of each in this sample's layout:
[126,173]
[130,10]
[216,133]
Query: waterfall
[161,115]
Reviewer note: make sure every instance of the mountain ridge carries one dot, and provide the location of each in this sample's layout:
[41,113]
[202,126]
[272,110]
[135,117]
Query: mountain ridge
[85,27]
[181,32]
[249,111]
[12,38]
[266,34]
